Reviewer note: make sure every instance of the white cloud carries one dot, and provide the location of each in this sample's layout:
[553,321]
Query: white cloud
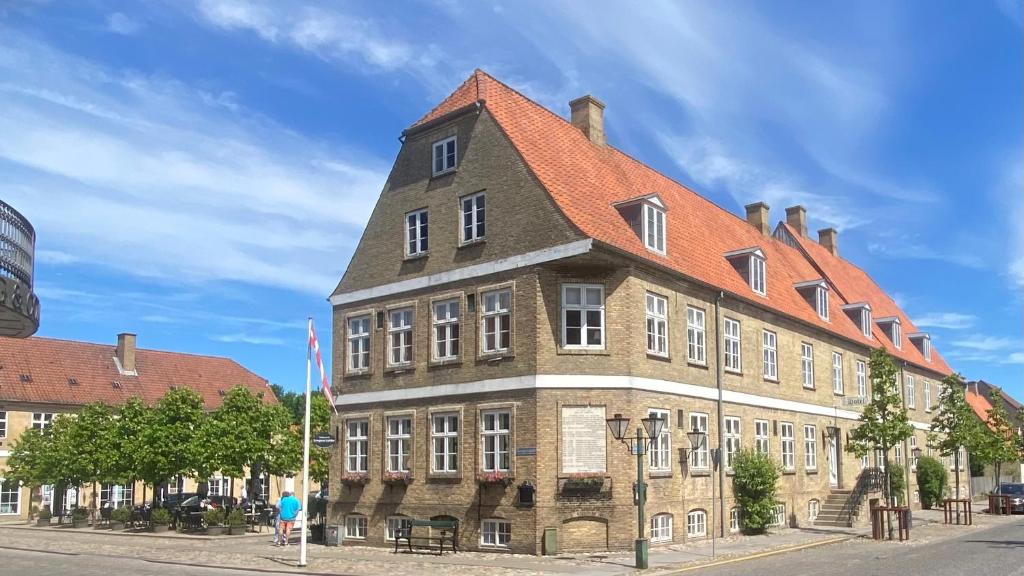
[947,320]
[119,23]
[154,179]
[242,338]
[904,248]
[987,343]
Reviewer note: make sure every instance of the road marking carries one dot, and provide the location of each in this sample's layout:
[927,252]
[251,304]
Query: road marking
[759,555]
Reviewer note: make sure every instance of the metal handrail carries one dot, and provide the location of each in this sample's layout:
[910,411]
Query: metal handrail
[870,480]
[17,245]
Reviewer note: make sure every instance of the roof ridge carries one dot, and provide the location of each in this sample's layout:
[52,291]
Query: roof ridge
[137,349]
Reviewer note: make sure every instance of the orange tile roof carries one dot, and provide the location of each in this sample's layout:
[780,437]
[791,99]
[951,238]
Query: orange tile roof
[979,404]
[50,363]
[586,181]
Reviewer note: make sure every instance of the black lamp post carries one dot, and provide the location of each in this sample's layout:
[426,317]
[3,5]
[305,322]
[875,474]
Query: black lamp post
[697,440]
[652,426]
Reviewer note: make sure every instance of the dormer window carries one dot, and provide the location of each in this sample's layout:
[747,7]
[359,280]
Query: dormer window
[815,292]
[860,313]
[923,341]
[646,216]
[891,326]
[750,264]
[444,156]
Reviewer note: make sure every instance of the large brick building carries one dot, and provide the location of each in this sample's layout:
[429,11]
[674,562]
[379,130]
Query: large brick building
[42,377]
[520,281]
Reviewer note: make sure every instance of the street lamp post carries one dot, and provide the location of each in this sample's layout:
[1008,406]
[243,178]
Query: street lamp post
[652,426]
[697,439]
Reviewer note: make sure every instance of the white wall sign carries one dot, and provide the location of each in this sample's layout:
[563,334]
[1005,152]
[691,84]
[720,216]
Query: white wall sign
[583,439]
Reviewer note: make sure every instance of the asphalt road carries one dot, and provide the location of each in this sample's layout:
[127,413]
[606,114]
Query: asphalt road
[997,551]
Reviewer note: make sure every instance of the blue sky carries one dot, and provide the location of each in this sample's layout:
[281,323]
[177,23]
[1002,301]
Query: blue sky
[199,172]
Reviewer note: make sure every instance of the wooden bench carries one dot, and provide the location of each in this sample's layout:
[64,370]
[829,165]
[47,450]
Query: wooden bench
[448,531]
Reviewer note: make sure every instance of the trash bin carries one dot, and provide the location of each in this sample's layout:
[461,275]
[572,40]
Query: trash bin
[550,541]
[332,535]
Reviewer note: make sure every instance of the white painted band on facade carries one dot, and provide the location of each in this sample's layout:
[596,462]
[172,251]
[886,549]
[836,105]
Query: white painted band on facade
[585,381]
[484,269]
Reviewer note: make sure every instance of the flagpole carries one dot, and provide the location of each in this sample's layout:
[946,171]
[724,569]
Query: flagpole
[305,449]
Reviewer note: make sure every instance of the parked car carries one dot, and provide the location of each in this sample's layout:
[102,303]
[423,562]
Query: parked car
[219,501]
[173,502]
[1016,492]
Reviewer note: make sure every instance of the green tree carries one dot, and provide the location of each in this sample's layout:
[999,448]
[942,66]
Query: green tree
[897,479]
[998,440]
[172,443]
[931,480]
[91,445]
[32,459]
[319,421]
[133,418]
[954,425]
[755,477]
[884,422]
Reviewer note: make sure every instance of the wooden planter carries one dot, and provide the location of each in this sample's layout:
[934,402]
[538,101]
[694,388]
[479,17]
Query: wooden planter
[42,521]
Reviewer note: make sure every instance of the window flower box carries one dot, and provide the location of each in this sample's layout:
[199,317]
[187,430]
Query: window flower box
[397,478]
[585,483]
[498,477]
[355,479]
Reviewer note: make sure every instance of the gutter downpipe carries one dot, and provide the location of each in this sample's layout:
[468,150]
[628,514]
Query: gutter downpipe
[906,443]
[721,415]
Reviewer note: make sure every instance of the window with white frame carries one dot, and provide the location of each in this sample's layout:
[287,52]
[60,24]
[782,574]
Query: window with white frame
[661,447]
[496,319]
[400,337]
[862,379]
[770,355]
[732,440]
[118,495]
[445,155]
[810,447]
[3,424]
[695,335]
[927,395]
[495,533]
[582,316]
[880,459]
[807,364]
[359,343]
[446,329]
[496,439]
[399,441]
[734,519]
[10,497]
[397,525]
[837,373]
[474,219]
[444,433]
[654,228]
[699,454]
[696,524]
[416,230]
[911,392]
[813,507]
[779,517]
[821,302]
[357,445]
[757,274]
[788,446]
[355,527]
[913,460]
[762,443]
[895,334]
[732,345]
[657,325]
[926,348]
[41,420]
[661,528]
[220,486]
[46,495]
[865,322]
[865,461]
[898,453]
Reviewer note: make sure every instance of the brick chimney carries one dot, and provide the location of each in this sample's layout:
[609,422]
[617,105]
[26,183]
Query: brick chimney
[588,116]
[829,239]
[796,217]
[126,353]
[757,216]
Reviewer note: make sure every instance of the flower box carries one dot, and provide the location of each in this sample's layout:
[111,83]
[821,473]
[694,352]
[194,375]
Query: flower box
[358,479]
[583,483]
[504,479]
[397,478]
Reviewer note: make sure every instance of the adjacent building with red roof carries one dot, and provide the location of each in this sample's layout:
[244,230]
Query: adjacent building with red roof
[521,281]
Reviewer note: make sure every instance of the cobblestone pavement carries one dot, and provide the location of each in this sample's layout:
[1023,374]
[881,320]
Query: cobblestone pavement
[255,552]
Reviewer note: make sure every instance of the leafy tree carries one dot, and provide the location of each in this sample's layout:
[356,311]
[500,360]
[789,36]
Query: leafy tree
[32,459]
[954,425]
[754,481]
[998,440]
[91,445]
[171,445]
[884,421]
[931,480]
[319,421]
[897,479]
[133,418]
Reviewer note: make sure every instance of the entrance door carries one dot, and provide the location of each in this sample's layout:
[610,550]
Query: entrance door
[833,458]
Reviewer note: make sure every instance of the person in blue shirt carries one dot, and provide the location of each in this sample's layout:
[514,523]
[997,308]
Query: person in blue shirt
[288,510]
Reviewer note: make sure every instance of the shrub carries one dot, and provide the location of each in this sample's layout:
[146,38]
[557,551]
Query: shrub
[44,513]
[214,517]
[236,518]
[160,517]
[932,480]
[79,513]
[754,482]
[122,514]
[898,484]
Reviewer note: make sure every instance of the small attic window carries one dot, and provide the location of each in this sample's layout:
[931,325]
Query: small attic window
[25,378]
[445,156]
[646,216]
[860,314]
[72,382]
[923,341]
[891,326]
[115,385]
[750,264]
[815,292]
